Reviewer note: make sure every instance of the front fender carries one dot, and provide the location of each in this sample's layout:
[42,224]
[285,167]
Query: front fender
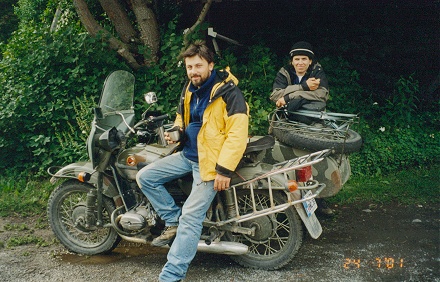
[72,171]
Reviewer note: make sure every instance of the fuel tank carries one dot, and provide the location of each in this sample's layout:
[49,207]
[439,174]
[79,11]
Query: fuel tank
[132,159]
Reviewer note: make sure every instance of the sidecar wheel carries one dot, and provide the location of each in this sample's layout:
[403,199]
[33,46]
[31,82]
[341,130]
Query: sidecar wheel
[66,213]
[315,141]
[278,237]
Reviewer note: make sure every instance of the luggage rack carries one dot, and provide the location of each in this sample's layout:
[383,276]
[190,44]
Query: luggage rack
[329,125]
[278,172]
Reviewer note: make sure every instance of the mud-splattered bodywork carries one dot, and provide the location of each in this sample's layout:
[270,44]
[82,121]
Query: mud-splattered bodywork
[334,170]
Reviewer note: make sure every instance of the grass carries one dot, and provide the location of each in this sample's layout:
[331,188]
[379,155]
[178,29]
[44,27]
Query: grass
[23,197]
[25,240]
[415,186]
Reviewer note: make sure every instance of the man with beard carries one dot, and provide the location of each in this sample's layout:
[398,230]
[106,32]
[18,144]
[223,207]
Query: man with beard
[213,118]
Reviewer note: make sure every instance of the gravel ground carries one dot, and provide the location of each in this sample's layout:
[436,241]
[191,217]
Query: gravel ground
[359,243]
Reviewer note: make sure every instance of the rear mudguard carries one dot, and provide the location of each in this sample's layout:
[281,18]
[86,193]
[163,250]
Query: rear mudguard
[310,222]
[72,171]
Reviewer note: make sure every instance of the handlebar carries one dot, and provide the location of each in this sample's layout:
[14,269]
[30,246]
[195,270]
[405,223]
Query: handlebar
[158,118]
[150,119]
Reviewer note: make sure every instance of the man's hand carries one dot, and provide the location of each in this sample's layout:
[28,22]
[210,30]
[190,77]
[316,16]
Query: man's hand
[281,102]
[167,138]
[166,135]
[221,182]
[313,83]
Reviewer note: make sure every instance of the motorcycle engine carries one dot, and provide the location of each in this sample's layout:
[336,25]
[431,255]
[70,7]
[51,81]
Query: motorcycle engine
[138,218]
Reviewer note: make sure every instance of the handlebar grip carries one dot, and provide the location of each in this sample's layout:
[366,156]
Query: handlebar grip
[158,118]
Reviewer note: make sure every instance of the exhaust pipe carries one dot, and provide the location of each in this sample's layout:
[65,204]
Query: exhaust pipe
[222,247]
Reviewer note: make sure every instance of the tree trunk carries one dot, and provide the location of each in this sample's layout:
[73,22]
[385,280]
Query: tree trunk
[94,29]
[120,20]
[148,28]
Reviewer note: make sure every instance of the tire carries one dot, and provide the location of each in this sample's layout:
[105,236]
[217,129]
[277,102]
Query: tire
[66,213]
[310,141]
[275,245]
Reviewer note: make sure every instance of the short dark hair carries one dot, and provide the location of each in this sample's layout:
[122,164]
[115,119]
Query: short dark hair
[199,48]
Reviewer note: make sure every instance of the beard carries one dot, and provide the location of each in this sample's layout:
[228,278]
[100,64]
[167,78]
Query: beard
[198,79]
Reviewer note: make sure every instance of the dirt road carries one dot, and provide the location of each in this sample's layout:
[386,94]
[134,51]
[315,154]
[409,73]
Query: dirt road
[360,243]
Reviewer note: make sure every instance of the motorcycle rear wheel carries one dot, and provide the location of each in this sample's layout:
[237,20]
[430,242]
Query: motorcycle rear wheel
[66,213]
[278,237]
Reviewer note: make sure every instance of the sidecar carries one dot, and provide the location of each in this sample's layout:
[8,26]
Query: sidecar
[333,171]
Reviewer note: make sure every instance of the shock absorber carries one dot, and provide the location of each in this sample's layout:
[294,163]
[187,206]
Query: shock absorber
[91,208]
[230,203]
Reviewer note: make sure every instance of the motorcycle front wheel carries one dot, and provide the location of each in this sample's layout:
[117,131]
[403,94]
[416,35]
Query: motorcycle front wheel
[67,217]
[277,238]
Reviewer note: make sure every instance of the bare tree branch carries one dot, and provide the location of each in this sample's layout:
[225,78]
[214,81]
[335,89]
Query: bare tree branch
[200,20]
[94,29]
[56,17]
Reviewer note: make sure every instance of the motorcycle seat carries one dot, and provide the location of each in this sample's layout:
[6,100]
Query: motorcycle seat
[265,142]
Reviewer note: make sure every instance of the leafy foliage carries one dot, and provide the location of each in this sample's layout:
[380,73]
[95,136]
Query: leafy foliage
[8,21]
[345,92]
[42,73]
[167,77]
[256,71]
[389,148]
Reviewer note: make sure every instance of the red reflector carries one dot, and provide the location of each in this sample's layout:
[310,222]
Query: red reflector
[303,174]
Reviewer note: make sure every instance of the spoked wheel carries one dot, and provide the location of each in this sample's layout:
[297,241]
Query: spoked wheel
[67,218]
[315,139]
[277,238]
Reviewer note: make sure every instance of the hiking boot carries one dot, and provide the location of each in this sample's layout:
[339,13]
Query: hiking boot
[167,236]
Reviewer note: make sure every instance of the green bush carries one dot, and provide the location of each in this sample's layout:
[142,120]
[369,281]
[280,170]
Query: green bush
[387,149]
[255,70]
[42,74]
[417,185]
[346,95]
[166,78]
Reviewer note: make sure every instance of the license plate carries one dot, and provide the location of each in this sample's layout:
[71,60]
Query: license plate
[310,205]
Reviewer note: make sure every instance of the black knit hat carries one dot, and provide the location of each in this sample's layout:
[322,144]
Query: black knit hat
[302,48]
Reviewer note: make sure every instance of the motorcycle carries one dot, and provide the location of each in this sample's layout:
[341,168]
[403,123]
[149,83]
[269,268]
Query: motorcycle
[258,221]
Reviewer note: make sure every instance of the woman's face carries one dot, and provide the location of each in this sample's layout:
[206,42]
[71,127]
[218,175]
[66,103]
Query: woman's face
[301,64]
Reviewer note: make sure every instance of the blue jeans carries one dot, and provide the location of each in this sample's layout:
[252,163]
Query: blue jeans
[151,179]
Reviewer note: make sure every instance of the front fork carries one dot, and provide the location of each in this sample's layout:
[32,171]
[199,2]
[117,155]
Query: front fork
[94,205]
[94,197]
